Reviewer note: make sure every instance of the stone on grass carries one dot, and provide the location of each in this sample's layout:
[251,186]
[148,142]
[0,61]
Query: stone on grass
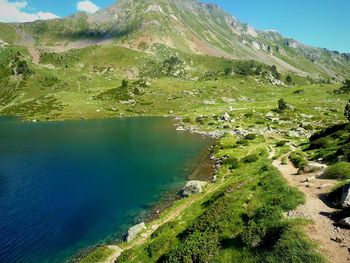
[134,231]
[193,187]
[312,168]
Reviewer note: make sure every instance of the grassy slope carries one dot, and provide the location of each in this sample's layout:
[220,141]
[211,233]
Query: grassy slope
[8,33]
[70,89]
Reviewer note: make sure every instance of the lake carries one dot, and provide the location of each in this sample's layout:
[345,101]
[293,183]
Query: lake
[65,186]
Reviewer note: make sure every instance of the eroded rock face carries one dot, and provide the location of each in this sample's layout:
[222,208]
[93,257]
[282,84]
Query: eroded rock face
[193,187]
[312,168]
[134,231]
[345,200]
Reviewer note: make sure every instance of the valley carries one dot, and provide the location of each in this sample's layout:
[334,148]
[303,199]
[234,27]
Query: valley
[274,106]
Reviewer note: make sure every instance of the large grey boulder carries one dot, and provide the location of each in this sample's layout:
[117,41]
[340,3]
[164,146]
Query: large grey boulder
[312,168]
[193,187]
[345,222]
[134,231]
[345,199]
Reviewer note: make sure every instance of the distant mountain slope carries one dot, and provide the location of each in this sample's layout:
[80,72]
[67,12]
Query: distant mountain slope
[189,26]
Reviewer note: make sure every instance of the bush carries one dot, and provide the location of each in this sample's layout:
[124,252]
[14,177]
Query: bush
[339,170]
[250,158]
[297,159]
[250,136]
[282,105]
[281,143]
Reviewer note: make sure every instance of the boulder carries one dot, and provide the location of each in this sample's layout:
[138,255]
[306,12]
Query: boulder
[193,187]
[225,117]
[345,222]
[345,199]
[312,168]
[134,231]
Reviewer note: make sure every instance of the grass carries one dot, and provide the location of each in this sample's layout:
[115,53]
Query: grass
[98,255]
[219,220]
[86,83]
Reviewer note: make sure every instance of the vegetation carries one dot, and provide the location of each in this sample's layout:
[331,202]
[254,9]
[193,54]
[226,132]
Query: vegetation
[298,159]
[339,170]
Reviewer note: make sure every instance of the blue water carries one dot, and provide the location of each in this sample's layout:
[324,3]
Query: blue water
[69,185]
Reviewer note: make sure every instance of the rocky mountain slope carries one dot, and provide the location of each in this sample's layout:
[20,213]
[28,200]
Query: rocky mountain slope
[187,25]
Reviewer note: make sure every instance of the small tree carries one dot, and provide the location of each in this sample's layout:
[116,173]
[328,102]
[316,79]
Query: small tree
[347,111]
[282,105]
[289,80]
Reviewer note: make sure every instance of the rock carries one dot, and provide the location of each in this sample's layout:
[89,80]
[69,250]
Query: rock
[345,199]
[312,168]
[225,117]
[345,222]
[309,179]
[193,187]
[180,128]
[134,231]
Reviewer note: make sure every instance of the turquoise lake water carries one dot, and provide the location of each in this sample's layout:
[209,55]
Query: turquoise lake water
[65,186]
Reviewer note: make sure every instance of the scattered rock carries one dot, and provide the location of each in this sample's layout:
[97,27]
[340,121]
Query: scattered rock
[180,128]
[193,187]
[134,231]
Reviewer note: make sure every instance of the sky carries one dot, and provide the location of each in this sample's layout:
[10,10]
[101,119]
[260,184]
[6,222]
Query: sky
[321,23]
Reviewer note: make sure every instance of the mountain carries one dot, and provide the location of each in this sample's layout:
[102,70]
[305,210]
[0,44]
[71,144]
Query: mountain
[186,25]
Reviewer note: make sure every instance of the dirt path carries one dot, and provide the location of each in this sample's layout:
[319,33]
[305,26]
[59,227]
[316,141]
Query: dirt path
[35,55]
[322,231]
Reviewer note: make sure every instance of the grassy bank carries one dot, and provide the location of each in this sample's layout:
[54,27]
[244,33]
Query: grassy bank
[239,216]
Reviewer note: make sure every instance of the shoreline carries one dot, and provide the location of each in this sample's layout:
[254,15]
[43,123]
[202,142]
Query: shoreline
[205,164]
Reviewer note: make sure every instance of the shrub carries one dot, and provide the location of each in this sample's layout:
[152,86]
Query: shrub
[250,158]
[339,170]
[297,159]
[281,143]
[282,105]
[250,136]
[289,80]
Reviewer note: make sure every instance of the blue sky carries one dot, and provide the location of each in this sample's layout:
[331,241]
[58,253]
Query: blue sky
[322,23]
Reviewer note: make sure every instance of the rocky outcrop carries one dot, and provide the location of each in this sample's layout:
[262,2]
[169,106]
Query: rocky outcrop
[312,168]
[134,231]
[193,187]
[345,199]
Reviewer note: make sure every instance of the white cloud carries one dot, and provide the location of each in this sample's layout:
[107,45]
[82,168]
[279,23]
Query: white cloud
[13,12]
[87,6]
